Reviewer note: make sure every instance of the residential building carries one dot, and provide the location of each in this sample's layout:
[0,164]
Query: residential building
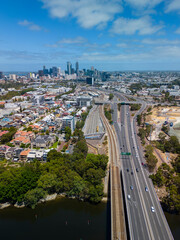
[43,141]
[68,121]
[24,154]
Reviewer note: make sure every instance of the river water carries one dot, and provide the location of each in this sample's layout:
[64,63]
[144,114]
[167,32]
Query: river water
[63,219]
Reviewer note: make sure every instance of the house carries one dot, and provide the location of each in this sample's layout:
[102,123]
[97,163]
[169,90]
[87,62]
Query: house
[20,140]
[43,141]
[52,128]
[24,154]
[29,135]
[2,133]
[3,151]
[31,156]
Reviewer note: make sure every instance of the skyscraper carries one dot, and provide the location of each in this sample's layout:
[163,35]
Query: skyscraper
[69,68]
[1,75]
[77,68]
[55,71]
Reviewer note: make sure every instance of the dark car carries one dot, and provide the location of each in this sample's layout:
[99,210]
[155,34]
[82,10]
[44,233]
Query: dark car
[132,173]
[137,170]
[127,169]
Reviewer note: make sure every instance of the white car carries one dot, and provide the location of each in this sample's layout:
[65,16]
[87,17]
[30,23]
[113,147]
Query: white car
[152,209]
[128,196]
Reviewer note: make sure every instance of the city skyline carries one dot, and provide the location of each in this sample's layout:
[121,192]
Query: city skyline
[110,35]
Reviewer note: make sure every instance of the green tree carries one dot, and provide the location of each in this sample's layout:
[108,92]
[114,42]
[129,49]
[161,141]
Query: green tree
[139,119]
[33,196]
[48,182]
[111,96]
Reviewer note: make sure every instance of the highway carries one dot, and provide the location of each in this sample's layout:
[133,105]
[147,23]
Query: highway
[143,223]
[118,228]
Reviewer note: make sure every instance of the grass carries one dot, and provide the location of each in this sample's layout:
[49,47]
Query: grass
[54,145]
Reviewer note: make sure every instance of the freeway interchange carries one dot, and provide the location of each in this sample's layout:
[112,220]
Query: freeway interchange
[145,216]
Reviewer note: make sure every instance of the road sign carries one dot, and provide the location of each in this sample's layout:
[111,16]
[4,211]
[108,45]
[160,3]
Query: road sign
[125,153]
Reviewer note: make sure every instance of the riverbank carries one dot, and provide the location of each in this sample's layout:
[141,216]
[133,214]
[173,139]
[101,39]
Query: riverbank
[48,198]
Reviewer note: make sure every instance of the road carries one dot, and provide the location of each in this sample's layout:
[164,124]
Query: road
[118,228]
[93,122]
[143,223]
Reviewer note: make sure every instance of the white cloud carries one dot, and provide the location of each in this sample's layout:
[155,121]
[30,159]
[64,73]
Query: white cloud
[160,42]
[177,31]
[122,45]
[142,26]
[77,40]
[30,25]
[174,5]
[24,23]
[144,3]
[89,13]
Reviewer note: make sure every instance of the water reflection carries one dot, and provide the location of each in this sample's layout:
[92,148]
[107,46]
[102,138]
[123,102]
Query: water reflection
[63,219]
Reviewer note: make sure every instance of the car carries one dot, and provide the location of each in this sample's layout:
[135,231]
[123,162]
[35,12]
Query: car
[131,187]
[136,155]
[152,209]
[131,172]
[142,163]
[137,170]
[146,189]
[128,196]
[127,169]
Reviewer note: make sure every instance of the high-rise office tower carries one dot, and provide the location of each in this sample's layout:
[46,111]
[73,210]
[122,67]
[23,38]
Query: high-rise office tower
[69,68]
[54,71]
[45,71]
[1,75]
[77,68]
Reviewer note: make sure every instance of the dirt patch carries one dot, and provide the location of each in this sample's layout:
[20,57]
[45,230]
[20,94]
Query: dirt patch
[161,192]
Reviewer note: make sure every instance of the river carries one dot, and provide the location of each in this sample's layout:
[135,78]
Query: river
[63,219]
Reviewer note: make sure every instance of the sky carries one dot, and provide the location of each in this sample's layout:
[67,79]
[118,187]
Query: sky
[107,34]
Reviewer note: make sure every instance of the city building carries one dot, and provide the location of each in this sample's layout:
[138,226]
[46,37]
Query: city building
[90,80]
[1,75]
[69,68]
[77,68]
[84,101]
[12,77]
[41,73]
[68,121]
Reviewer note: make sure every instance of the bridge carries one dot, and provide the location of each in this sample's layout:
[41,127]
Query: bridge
[101,102]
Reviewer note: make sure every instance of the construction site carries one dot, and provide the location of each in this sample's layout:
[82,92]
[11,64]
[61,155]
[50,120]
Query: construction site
[168,116]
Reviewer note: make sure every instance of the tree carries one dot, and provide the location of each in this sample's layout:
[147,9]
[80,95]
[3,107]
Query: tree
[162,137]
[67,133]
[81,147]
[139,119]
[48,182]
[33,196]
[111,96]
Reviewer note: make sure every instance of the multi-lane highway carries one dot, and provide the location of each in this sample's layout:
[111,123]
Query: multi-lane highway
[140,196]
[118,228]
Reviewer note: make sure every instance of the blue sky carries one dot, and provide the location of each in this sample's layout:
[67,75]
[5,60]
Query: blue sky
[107,34]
